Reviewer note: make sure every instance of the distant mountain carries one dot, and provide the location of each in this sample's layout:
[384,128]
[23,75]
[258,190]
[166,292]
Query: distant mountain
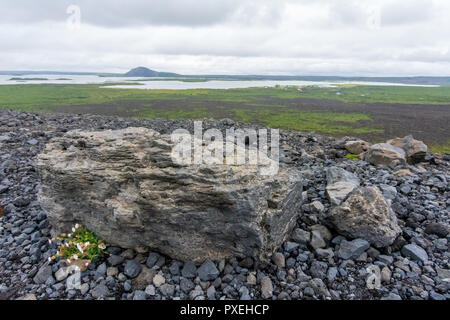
[146,72]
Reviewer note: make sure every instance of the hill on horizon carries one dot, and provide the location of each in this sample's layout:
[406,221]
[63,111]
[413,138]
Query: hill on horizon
[146,72]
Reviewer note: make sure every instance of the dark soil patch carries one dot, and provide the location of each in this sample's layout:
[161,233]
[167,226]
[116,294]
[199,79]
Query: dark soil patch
[430,123]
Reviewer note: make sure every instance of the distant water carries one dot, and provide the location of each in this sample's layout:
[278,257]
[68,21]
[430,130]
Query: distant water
[68,79]
[177,85]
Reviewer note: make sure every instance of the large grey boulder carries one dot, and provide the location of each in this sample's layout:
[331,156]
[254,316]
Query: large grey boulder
[385,154]
[124,186]
[339,184]
[415,150]
[366,215]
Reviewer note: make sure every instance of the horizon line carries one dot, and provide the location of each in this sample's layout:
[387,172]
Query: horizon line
[227,75]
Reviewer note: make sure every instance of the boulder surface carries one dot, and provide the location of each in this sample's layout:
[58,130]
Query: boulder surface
[124,186]
[357,146]
[340,183]
[366,215]
[415,150]
[385,154]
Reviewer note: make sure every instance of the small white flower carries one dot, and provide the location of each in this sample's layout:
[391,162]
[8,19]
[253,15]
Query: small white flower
[102,246]
[77,226]
[80,248]
[73,230]
[75,257]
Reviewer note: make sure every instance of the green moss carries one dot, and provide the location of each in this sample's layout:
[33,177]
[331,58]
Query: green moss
[352,156]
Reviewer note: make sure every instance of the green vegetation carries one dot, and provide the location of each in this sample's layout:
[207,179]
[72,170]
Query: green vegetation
[440,147]
[284,107]
[28,97]
[38,97]
[81,244]
[384,94]
[352,156]
[327,122]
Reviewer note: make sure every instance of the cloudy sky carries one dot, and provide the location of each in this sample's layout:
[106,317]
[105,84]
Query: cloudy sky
[289,37]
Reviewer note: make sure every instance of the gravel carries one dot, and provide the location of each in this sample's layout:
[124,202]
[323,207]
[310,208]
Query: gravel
[189,270]
[352,249]
[100,291]
[158,280]
[132,268]
[152,259]
[266,288]
[207,271]
[415,252]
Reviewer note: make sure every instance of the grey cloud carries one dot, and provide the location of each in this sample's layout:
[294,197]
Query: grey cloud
[232,36]
[117,13]
[349,12]
[414,11]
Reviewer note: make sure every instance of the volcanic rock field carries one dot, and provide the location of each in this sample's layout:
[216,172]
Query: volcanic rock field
[362,229]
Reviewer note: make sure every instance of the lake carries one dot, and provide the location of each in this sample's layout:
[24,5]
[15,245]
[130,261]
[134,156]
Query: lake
[174,84]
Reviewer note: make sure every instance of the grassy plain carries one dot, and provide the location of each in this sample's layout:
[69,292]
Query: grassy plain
[372,112]
[34,96]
